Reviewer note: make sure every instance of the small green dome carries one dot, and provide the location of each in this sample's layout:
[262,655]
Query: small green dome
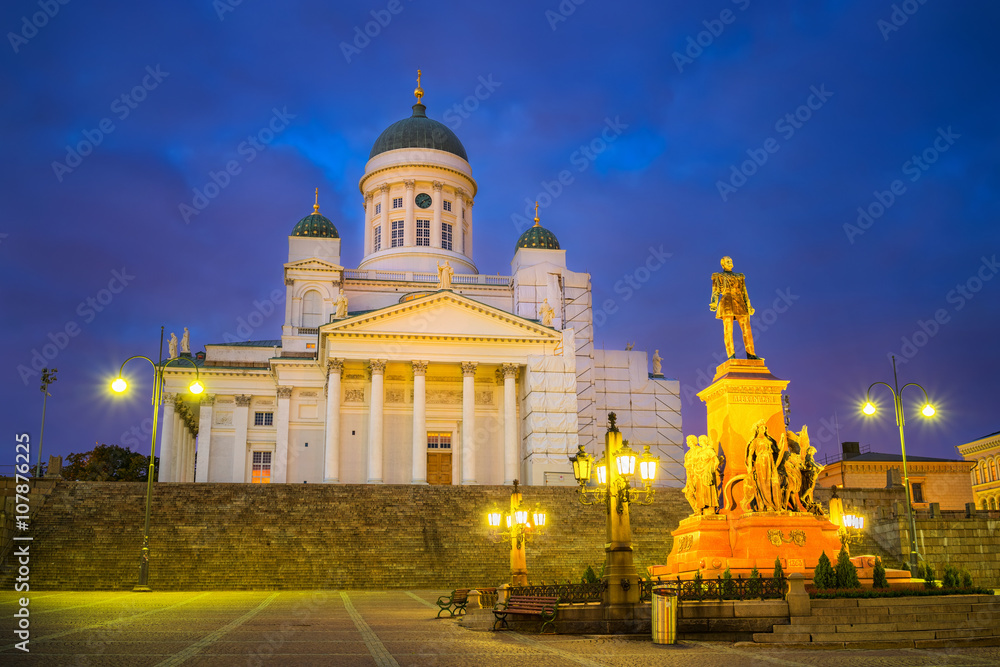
[538,237]
[418,131]
[317,226]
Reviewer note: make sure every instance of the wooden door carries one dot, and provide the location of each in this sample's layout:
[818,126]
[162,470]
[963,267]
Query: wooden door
[439,467]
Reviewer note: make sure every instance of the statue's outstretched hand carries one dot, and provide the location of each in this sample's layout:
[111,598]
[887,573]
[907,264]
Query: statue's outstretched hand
[751,310]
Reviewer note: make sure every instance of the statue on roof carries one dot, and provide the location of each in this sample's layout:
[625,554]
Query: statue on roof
[341,305]
[730,301]
[444,275]
[657,363]
[546,313]
[172,345]
[186,342]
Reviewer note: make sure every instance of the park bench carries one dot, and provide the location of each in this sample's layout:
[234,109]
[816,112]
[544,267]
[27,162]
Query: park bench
[545,607]
[458,599]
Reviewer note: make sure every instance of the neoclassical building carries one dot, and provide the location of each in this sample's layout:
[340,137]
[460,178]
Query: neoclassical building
[984,453]
[422,376]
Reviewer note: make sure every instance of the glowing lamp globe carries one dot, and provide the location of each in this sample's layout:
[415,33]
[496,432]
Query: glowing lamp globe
[119,385]
[625,459]
[869,409]
[196,387]
[494,518]
[928,410]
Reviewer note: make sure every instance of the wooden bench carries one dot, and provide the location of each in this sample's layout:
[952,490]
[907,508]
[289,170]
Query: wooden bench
[457,601]
[527,605]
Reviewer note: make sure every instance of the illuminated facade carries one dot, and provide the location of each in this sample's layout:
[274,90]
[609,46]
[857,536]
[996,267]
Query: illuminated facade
[984,454]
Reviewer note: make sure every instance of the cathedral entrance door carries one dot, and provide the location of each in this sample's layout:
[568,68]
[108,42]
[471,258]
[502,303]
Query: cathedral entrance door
[439,458]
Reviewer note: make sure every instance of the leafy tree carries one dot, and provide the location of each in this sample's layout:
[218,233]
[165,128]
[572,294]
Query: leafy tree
[108,463]
[755,589]
[930,581]
[966,579]
[878,577]
[728,586]
[952,578]
[778,572]
[846,573]
[823,576]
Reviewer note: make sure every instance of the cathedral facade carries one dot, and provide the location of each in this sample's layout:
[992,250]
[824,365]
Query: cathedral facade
[414,368]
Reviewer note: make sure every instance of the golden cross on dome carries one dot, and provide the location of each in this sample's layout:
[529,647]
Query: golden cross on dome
[419,92]
[536,215]
[316,205]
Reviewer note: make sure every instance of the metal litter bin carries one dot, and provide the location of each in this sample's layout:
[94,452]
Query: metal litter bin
[664,616]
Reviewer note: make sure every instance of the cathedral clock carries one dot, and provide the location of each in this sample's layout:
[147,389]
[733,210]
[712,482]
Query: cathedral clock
[423,200]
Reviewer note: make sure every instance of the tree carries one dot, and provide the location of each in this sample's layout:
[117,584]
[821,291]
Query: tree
[108,463]
[846,573]
[878,576]
[823,576]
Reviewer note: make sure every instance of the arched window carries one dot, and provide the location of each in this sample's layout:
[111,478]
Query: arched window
[993,470]
[312,309]
[985,506]
[993,503]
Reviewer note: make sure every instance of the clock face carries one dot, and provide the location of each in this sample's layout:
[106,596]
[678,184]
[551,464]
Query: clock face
[423,200]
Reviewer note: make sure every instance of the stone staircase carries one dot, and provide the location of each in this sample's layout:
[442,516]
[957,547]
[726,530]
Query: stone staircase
[945,621]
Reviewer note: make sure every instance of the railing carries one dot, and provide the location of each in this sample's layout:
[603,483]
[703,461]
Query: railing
[567,593]
[419,277]
[488,599]
[761,588]
[839,456]
[308,331]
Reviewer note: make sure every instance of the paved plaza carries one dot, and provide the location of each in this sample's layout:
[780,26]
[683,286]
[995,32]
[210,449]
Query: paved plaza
[356,628]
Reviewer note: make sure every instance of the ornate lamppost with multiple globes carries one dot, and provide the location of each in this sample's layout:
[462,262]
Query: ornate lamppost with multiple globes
[521,525]
[119,385]
[615,491]
[927,411]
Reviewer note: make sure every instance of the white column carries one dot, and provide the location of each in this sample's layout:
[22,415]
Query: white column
[241,419]
[469,422]
[177,449]
[456,232]
[468,240]
[286,330]
[189,456]
[182,452]
[166,438]
[331,459]
[419,422]
[384,216]
[410,224]
[369,216]
[280,470]
[510,448]
[375,422]
[297,311]
[436,221]
[204,437]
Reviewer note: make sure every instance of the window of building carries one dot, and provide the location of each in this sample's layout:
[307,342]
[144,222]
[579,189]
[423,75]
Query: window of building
[260,471]
[397,234]
[263,419]
[993,471]
[378,208]
[377,239]
[312,309]
[397,202]
[447,205]
[446,236]
[439,441]
[423,232]
[917,490]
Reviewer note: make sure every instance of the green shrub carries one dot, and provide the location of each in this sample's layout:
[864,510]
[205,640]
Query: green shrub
[845,572]
[894,593]
[823,576]
[755,587]
[728,585]
[878,576]
[952,577]
[966,579]
[589,576]
[930,580]
[778,572]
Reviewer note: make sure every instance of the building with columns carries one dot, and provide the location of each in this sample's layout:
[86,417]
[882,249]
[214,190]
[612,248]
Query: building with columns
[414,368]
[984,454]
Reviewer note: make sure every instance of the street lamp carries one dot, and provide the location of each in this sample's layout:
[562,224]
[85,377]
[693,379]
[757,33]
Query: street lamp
[119,385]
[521,526]
[927,411]
[48,377]
[614,490]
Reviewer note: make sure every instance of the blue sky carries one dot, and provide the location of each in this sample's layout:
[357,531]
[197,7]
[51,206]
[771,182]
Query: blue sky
[843,153]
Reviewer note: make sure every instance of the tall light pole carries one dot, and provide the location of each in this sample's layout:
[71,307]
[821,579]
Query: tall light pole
[926,411]
[48,377]
[119,385]
[521,525]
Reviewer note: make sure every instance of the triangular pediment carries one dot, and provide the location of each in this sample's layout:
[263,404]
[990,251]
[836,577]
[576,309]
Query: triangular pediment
[443,315]
[312,264]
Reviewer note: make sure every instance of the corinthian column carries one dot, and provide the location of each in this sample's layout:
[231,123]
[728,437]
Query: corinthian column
[436,221]
[375,422]
[280,475]
[469,422]
[241,419]
[509,423]
[409,225]
[204,437]
[331,459]
[419,422]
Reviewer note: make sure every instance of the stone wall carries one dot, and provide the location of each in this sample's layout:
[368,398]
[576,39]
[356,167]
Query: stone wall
[295,536]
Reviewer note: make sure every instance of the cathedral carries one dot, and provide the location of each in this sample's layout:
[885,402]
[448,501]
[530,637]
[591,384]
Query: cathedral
[414,367]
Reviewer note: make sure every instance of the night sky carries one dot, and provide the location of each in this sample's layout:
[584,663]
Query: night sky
[694,129]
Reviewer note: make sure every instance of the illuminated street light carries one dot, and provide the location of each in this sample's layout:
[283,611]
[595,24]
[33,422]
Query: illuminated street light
[521,527]
[119,385]
[927,411]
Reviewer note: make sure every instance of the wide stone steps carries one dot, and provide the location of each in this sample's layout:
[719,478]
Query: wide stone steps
[919,622]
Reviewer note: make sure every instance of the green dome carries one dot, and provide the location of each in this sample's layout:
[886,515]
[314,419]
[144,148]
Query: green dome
[538,237]
[317,226]
[418,131]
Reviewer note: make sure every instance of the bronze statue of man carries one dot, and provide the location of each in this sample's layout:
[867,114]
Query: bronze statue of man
[731,302]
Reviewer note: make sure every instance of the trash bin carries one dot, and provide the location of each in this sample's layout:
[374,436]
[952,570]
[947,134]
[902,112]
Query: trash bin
[664,616]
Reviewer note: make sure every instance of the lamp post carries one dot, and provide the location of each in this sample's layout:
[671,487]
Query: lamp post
[927,411]
[521,525]
[119,385]
[48,377]
[614,491]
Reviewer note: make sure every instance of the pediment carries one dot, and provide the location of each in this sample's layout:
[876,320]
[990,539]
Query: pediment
[312,264]
[442,315]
